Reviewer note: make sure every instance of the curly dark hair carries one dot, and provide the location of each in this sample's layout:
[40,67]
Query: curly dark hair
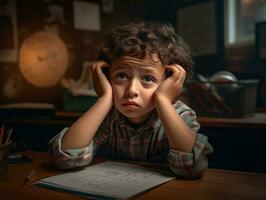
[141,38]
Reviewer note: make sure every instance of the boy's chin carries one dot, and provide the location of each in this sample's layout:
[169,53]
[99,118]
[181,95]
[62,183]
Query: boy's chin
[129,115]
[136,118]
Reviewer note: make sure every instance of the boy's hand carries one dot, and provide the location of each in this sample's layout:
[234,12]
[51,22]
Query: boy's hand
[101,83]
[171,87]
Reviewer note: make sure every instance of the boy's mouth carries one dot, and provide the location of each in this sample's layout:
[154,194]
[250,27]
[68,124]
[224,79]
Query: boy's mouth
[130,103]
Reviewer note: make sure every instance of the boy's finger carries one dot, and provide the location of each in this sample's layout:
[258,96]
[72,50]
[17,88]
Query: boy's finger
[100,74]
[99,71]
[97,68]
[175,72]
[181,73]
[182,76]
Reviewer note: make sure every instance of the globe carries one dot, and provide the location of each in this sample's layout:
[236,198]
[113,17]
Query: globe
[43,59]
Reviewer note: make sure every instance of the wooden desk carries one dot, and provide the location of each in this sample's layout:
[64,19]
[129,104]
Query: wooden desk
[215,184]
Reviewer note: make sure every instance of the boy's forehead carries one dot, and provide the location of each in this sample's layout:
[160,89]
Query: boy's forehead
[149,61]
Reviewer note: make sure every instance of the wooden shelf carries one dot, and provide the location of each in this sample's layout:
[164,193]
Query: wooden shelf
[257,120]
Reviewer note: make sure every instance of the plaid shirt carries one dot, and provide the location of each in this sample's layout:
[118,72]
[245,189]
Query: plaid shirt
[148,143]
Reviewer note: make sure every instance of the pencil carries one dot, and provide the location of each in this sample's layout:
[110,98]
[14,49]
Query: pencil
[9,135]
[28,177]
[6,142]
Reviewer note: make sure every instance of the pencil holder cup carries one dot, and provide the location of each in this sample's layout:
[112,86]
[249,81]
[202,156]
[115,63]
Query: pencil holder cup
[4,153]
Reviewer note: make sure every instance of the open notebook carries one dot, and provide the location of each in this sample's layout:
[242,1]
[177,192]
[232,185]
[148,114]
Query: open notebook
[107,180]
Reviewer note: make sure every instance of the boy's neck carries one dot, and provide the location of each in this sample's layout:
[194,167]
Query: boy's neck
[133,125]
[138,125]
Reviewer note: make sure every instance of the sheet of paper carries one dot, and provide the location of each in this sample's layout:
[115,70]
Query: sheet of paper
[109,179]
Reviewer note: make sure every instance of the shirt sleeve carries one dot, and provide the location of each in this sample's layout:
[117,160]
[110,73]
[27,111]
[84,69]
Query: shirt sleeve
[78,157]
[190,165]
[70,158]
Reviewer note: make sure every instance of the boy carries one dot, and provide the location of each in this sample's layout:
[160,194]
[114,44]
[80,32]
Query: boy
[137,115]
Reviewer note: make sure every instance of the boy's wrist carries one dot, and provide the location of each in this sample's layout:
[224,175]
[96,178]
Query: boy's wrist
[161,99]
[107,99]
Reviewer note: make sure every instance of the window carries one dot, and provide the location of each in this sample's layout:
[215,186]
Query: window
[240,19]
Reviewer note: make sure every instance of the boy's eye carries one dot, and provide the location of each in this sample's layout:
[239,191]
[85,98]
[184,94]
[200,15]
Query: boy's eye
[121,76]
[148,79]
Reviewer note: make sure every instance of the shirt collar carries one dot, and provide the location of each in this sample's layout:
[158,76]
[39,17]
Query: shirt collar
[153,122]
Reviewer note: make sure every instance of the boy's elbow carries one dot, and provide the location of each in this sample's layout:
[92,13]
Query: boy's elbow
[70,159]
[194,171]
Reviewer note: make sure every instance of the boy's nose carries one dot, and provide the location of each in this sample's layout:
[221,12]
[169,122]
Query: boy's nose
[132,89]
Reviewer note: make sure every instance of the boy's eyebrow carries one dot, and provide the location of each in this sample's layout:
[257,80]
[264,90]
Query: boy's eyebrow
[115,68]
[148,69]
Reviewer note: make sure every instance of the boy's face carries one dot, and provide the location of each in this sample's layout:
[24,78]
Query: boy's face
[134,82]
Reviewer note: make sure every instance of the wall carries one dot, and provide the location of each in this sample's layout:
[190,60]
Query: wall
[34,15]
[82,45]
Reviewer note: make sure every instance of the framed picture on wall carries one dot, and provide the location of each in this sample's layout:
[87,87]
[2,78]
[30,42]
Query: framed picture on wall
[200,23]
[261,40]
